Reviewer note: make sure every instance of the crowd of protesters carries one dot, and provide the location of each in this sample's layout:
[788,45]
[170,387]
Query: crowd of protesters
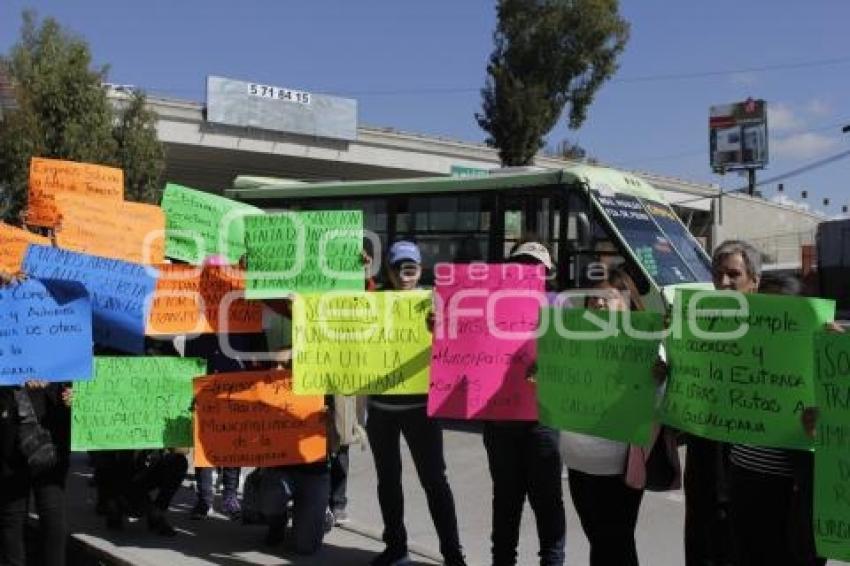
[745,505]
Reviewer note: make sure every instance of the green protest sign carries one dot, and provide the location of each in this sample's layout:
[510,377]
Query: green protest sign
[361,343]
[303,252]
[832,446]
[135,403]
[596,377]
[199,224]
[741,366]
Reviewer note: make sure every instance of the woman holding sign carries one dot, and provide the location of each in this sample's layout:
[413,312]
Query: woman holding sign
[525,462]
[390,416]
[606,505]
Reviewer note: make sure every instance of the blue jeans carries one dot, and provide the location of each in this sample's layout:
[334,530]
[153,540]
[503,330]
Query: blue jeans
[525,461]
[308,489]
[204,483]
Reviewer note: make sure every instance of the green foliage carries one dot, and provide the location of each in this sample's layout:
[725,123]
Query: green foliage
[62,111]
[548,54]
[140,153]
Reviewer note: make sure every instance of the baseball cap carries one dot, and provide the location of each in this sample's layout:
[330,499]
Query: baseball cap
[536,250]
[404,250]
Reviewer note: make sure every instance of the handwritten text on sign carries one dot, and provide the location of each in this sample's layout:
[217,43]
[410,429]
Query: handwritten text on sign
[118,291]
[304,252]
[748,388]
[45,332]
[361,343]
[200,224]
[130,231]
[599,386]
[135,403]
[50,177]
[832,446]
[484,341]
[191,300]
[13,246]
[253,419]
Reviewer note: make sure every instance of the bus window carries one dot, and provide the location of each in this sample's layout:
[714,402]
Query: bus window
[589,258]
[452,229]
[684,242]
[657,252]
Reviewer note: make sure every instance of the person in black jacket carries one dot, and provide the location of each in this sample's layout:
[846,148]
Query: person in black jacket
[19,477]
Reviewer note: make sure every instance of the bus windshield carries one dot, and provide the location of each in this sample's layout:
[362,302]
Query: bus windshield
[659,241]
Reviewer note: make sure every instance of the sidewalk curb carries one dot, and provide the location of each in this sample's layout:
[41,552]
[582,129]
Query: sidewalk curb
[413,548]
[85,545]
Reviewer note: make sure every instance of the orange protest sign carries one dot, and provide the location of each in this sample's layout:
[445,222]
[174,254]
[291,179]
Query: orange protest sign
[13,246]
[253,419]
[49,177]
[189,300]
[130,231]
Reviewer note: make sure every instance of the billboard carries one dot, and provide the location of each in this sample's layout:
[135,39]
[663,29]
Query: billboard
[255,105]
[738,136]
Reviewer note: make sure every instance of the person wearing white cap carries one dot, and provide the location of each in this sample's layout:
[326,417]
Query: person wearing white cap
[389,417]
[525,461]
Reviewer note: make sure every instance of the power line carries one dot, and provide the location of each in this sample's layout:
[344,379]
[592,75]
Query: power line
[716,73]
[692,152]
[634,79]
[787,175]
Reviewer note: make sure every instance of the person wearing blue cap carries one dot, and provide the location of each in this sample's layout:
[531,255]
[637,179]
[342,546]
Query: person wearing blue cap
[389,417]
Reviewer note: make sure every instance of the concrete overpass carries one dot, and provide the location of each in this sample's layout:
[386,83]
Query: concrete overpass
[209,156]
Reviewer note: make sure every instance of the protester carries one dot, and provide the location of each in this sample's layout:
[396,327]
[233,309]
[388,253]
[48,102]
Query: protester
[306,487]
[736,266]
[765,492]
[389,417]
[525,461]
[35,432]
[346,415]
[606,505]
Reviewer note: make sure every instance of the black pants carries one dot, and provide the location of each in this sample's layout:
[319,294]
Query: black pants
[608,510]
[708,530]
[525,461]
[339,478]
[50,506]
[762,511]
[164,475]
[425,440]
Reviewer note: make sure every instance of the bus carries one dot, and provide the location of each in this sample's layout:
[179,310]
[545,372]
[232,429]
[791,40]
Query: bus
[586,215]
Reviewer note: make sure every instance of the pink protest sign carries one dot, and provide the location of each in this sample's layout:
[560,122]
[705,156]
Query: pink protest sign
[486,317]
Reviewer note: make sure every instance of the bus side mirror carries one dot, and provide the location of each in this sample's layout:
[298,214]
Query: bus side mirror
[583,232]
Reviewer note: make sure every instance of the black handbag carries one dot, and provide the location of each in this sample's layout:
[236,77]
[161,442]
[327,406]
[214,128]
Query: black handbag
[34,442]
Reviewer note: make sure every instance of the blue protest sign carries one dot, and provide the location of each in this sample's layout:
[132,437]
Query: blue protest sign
[119,292]
[45,332]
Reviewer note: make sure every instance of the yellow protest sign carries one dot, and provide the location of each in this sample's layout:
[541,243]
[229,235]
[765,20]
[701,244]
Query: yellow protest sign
[361,343]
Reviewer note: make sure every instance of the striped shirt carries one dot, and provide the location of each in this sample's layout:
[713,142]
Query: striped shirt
[763,460]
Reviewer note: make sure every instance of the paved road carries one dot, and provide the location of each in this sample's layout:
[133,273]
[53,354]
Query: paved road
[661,516]
[219,541]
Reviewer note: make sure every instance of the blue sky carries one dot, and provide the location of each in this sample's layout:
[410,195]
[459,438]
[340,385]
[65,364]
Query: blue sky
[418,66]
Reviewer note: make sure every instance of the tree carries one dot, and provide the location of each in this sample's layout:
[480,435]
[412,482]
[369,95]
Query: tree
[140,152]
[61,110]
[548,54]
[571,150]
